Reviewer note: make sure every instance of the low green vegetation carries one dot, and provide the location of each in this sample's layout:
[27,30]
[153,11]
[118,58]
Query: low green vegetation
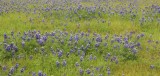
[79,38]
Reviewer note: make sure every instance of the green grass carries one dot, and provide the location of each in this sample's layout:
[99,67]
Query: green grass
[20,22]
[139,67]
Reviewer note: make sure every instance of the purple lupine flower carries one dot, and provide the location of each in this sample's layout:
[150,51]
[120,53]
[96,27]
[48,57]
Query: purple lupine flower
[131,46]
[106,37]
[90,57]
[79,7]
[126,40]
[138,44]
[41,42]
[108,72]
[57,63]
[97,44]
[77,64]
[97,69]
[70,39]
[113,58]
[60,54]
[71,51]
[5,36]
[53,33]
[4,68]
[126,45]
[23,43]
[43,20]
[34,31]
[76,37]
[16,66]
[44,75]
[149,41]
[38,36]
[94,34]
[81,71]
[11,70]
[8,48]
[108,55]
[82,34]
[121,12]
[118,39]
[40,73]
[142,35]
[87,34]
[33,74]
[64,62]
[138,36]
[44,38]
[88,71]
[12,44]
[99,39]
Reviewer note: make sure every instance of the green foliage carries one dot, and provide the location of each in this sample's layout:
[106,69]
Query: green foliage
[73,22]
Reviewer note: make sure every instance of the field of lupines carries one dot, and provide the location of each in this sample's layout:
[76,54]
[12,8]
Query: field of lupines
[79,38]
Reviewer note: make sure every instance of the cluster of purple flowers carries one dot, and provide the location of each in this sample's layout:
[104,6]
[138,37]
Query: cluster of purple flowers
[98,9]
[86,46]
[81,49]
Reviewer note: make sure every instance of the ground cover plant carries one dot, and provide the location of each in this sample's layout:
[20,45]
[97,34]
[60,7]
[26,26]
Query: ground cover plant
[79,37]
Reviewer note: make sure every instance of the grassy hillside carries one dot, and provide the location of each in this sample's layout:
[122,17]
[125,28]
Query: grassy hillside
[79,37]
